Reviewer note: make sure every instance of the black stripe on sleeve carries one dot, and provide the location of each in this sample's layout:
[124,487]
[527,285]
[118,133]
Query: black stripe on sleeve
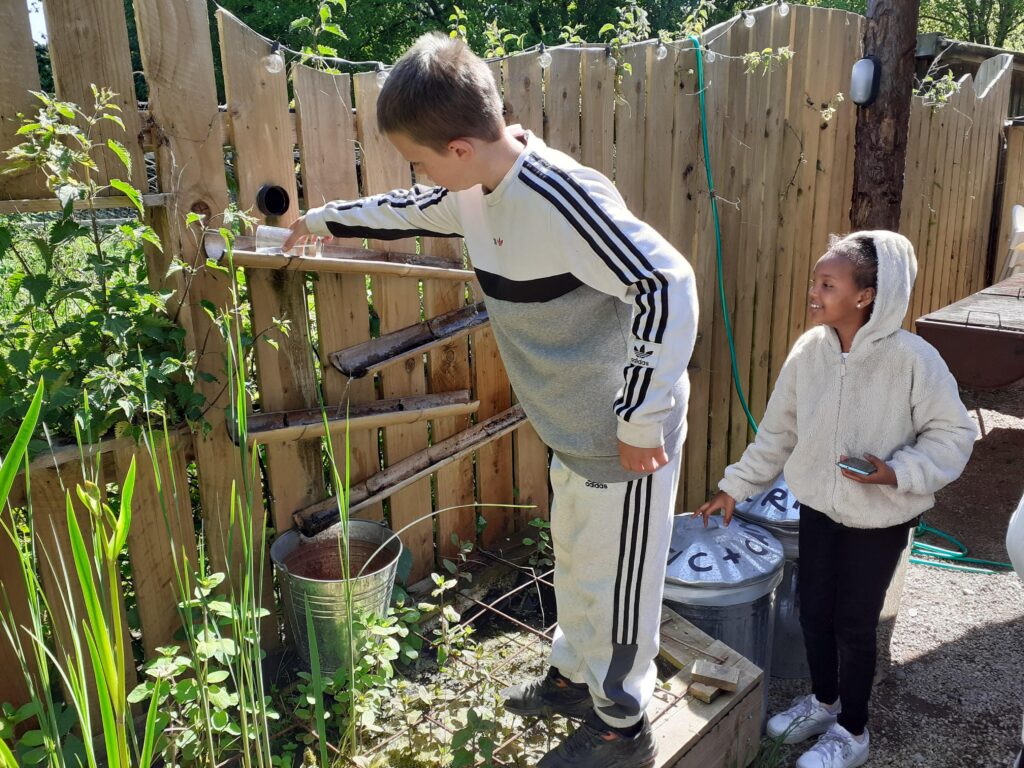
[342,230]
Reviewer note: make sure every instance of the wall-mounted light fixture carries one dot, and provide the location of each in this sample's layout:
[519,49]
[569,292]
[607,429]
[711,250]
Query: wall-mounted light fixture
[864,81]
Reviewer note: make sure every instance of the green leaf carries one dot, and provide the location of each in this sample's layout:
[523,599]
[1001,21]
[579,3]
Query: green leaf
[37,286]
[124,519]
[6,756]
[115,119]
[67,194]
[300,23]
[130,192]
[606,28]
[9,465]
[334,29]
[325,14]
[118,149]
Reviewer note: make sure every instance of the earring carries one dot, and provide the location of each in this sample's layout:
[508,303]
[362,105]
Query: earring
[858,305]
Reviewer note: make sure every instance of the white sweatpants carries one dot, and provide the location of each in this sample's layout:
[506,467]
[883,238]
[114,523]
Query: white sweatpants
[611,544]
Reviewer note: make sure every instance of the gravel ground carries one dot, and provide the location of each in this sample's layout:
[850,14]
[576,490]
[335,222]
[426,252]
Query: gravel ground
[954,695]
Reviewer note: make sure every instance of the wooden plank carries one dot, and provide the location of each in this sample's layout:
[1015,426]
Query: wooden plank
[57,567]
[790,192]
[658,135]
[516,465]
[523,92]
[562,102]
[717,675]
[448,369]
[691,232]
[178,60]
[397,302]
[998,96]
[630,121]
[18,76]
[948,215]
[748,134]
[965,203]
[912,185]
[916,229]
[162,539]
[769,225]
[725,97]
[327,141]
[1013,194]
[494,467]
[694,734]
[808,247]
[597,111]
[258,104]
[14,207]
[88,43]
[938,131]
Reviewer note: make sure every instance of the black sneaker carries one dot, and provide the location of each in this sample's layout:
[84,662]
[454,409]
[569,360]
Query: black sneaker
[597,745]
[551,694]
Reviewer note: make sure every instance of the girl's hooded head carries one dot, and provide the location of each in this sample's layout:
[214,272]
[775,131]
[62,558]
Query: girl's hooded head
[862,284]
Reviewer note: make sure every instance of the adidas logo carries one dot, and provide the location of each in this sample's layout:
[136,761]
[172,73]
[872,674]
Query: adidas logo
[592,484]
[640,356]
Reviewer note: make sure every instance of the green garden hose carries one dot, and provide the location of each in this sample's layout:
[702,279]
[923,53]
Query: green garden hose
[718,234]
[922,553]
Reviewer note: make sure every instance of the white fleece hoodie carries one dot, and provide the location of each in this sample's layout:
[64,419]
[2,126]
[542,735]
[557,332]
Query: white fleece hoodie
[893,397]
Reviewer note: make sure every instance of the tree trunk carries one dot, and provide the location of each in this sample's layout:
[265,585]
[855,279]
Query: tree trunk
[882,127]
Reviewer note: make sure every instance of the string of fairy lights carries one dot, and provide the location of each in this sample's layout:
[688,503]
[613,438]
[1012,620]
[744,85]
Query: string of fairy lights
[275,61]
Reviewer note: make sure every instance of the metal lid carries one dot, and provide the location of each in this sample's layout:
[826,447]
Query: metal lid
[717,557]
[775,507]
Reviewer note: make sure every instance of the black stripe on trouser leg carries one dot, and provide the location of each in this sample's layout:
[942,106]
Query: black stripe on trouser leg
[631,488]
[645,524]
[630,599]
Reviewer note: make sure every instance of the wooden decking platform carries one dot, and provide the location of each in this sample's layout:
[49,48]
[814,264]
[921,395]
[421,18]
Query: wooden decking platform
[691,734]
[981,337]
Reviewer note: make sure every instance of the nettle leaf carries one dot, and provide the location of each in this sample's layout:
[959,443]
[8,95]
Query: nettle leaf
[300,23]
[67,194]
[37,286]
[122,154]
[130,192]
[334,29]
[65,230]
[21,359]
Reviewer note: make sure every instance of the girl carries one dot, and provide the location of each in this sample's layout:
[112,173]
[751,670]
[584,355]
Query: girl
[857,385]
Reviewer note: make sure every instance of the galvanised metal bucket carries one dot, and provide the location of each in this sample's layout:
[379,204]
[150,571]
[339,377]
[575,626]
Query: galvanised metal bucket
[310,573]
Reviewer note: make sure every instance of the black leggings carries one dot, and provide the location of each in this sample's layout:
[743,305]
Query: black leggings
[844,574]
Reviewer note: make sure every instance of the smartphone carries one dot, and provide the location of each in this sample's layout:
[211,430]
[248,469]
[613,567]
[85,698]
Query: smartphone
[860,466]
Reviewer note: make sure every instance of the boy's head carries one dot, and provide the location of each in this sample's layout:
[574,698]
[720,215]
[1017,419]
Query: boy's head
[437,94]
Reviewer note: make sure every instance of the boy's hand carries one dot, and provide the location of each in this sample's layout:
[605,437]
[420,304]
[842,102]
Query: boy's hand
[883,474]
[720,501]
[642,459]
[299,231]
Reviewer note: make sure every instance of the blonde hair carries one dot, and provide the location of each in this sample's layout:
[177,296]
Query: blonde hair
[438,91]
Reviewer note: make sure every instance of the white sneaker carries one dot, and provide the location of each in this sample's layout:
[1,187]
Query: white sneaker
[837,748]
[805,718]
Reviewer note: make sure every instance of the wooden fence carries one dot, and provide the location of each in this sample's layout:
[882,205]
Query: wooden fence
[781,146]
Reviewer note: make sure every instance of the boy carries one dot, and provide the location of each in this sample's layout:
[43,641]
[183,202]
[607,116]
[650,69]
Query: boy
[560,260]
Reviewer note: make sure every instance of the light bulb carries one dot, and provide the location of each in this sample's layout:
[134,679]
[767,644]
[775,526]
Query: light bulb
[783,8]
[748,20]
[709,55]
[273,62]
[382,77]
[662,53]
[544,59]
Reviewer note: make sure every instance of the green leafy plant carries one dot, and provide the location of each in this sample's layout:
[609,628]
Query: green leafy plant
[542,554]
[767,59]
[318,26]
[81,314]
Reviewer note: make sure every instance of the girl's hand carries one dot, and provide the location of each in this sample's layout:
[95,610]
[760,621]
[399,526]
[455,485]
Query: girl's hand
[883,474]
[721,501]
